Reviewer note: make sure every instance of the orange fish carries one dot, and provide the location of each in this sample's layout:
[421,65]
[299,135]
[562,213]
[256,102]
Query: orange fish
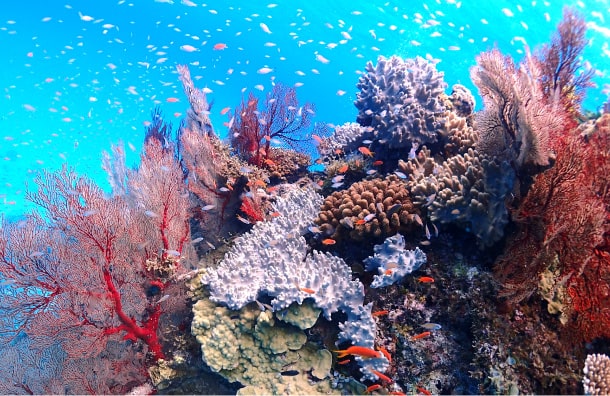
[421,335]
[380,313]
[373,387]
[381,376]
[219,46]
[269,162]
[365,151]
[360,222]
[378,163]
[385,353]
[172,100]
[346,361]
[316,138]
[388,271]
[343,169]
[307,290]
[225,110]
[423,391]
[358,350]
[425,279]
[329,241]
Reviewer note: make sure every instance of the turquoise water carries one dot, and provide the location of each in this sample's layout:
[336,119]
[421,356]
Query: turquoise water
[78,76]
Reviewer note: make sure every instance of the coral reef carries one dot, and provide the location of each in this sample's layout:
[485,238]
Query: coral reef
[373,208]
[272,262]
[392,261]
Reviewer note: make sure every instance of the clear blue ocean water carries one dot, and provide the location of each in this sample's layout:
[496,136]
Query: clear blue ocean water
[78,76]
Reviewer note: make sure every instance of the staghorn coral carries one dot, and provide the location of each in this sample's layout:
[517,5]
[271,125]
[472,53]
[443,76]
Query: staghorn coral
[344,213]
[596,379]
[401,100]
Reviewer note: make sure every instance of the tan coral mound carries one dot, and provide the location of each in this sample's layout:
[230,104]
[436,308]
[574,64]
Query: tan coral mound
[371,208]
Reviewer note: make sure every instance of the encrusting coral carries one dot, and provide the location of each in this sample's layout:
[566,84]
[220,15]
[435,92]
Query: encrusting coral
[373,208]
[253,348]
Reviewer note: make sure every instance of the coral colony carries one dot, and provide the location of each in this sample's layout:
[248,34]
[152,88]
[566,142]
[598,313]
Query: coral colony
[374,275]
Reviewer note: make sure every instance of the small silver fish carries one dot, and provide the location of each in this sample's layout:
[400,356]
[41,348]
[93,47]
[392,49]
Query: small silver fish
[431,326]
[369,217]
[400,174]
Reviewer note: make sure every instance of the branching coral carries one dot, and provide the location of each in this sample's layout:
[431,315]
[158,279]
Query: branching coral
[596,372]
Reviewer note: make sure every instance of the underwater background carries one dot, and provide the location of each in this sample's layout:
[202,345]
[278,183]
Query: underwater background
[80,76]
[351,197]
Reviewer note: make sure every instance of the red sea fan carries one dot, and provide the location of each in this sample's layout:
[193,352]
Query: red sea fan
[564,225]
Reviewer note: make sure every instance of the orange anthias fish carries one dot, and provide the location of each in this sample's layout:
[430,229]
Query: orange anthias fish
[385,353]
[365,151]
[421,335]
[379,313]
[382,376]
[358,350]
[425,279]
[329,241]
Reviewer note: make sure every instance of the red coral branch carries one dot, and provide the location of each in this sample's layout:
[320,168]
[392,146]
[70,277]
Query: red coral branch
[281,119]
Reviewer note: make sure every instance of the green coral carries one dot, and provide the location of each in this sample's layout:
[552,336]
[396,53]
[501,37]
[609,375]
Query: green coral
[303,316]
[265,355]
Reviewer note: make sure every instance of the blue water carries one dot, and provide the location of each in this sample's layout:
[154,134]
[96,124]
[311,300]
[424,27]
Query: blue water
[78,76]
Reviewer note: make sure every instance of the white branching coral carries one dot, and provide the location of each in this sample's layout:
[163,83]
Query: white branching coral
[596,372]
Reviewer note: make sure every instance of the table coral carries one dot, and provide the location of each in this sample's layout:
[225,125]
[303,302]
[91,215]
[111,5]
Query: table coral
[371,208]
